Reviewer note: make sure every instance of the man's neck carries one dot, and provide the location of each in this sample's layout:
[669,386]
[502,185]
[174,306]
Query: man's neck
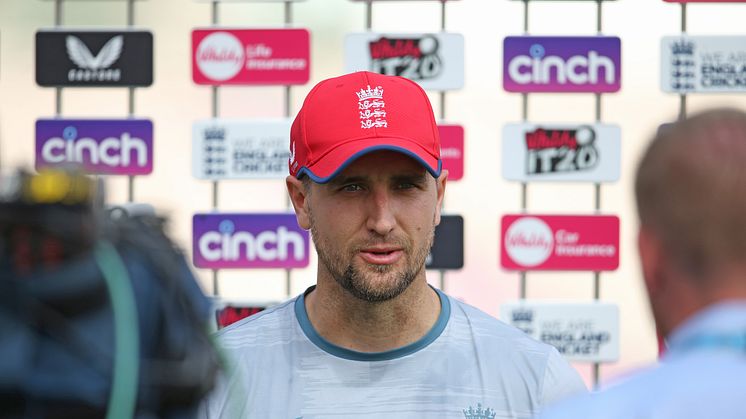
[351,323]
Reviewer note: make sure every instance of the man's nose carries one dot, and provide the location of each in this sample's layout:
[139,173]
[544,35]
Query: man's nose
[381,217]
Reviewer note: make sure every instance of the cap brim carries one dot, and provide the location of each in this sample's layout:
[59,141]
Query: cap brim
[330,165]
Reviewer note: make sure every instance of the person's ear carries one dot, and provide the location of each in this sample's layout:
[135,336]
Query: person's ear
[299,198]
[440,185]
[651,254]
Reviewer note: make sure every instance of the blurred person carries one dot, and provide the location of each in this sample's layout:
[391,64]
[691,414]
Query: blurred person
[100,315]
[691,200]
[372,339]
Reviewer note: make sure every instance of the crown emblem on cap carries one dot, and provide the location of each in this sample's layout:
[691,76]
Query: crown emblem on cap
[365,94]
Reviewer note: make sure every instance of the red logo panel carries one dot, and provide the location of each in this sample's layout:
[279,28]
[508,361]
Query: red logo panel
[452,150]
[560,242]
[250,56]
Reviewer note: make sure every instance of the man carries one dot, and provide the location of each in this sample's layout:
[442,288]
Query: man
[372,339]
[691,200]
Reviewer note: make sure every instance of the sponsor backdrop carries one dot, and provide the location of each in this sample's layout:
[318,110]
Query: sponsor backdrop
[174,80]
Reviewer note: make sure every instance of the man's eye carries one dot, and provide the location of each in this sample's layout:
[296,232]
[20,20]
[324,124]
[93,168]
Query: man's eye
[406,185]
[352,188]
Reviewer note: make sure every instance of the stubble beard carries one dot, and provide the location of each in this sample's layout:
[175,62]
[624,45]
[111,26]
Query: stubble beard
[363,285]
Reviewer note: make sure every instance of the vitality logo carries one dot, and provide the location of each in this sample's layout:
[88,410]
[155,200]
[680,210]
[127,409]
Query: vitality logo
[99,146]
[562,64]
[561,150]
[249,241]
[414,58]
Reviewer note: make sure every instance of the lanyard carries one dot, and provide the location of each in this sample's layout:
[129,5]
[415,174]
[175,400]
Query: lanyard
[734,341]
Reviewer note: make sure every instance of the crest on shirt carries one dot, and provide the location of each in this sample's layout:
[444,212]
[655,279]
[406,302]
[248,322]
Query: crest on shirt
[479,412]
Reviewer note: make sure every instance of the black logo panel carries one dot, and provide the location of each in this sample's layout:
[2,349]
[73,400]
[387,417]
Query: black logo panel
[94,58]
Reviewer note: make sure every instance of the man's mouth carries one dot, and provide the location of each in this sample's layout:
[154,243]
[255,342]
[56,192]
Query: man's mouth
[381,255]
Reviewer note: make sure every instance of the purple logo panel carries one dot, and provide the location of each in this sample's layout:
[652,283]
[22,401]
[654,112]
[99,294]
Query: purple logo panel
[590,64]
[221,241]
[100,146]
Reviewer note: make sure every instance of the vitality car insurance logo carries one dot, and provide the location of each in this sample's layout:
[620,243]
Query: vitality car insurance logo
[249,241]
[715,64]
[452,150]
[557,152]
[100,146]
[434,61]
[583,332]
[562,64]
[250,56]
[560,242]
[94,58]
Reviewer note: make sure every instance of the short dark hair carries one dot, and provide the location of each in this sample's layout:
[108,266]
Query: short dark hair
[691,189]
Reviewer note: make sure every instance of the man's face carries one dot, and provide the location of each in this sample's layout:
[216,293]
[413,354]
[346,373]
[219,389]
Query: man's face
[373,224]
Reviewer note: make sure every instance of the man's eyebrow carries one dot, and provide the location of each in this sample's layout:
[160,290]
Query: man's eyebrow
[419,177]
[342,180]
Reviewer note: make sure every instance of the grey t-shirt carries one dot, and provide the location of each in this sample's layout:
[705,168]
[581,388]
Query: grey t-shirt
[469,365]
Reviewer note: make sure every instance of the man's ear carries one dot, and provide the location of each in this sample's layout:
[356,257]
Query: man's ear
[298,196]
[440,185]
[651,254]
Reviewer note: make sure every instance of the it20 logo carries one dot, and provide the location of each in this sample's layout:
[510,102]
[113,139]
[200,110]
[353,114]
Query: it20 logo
[413,58]
[561,150]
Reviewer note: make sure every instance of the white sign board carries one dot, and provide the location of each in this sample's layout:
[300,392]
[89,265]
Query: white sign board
[561,152]
[240,149]
[434,60]
[584,332]
[703,64]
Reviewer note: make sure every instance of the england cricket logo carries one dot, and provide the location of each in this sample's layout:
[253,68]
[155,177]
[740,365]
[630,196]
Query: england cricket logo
[371,107]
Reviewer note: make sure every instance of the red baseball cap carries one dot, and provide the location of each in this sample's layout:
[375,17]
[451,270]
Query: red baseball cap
[344,118]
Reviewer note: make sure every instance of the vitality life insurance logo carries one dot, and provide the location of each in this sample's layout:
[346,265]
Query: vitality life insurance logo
[562,64]
[249,241]
[99,146]
[250,56]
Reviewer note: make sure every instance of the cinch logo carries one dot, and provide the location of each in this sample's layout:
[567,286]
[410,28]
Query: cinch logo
[413,58]
[227,244]
[220,56]
[529,241]
[94,68]
[561,150]
[111,151]
[539,68]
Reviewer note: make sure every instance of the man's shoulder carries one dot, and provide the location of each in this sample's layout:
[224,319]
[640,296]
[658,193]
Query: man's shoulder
[266,326]
[486,327]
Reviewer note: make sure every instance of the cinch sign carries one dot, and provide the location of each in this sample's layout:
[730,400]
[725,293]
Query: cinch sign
[559,152]
[434,60]
[248,241]
[452,150]
[714,64]
[560,242]
[250,56]
[100,146]
[560,64]
[240,149]
[584,332]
